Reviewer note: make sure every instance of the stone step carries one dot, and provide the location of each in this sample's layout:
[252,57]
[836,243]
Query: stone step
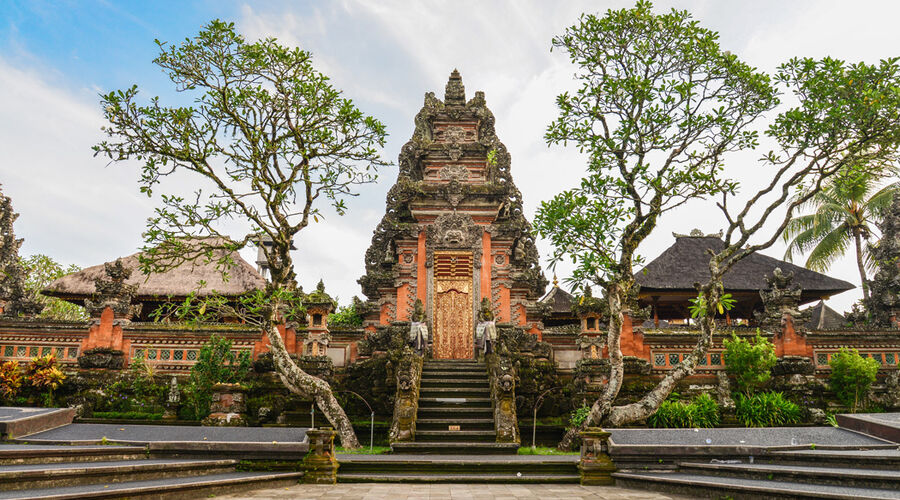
[168,488]
[454,403]
[450,464]
[470,478]
[454,392]
[465,424]
[883,479]
[16,454]
[440,412]
[20,421]
[858,459]
[35,476]
[445,436]
[456,448]
[704,486]
[450,382]
[443,373]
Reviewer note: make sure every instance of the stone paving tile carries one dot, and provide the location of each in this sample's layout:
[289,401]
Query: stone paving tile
[396,491]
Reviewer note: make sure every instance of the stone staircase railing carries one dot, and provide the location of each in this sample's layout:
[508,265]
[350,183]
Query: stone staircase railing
[406,402]
[503,397]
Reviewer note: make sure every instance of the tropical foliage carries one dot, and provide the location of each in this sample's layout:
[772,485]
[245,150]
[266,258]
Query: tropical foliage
[766,409]
[40,270]
[44,374]
[844,213]
[217,363]
[851,377]
[749,361]
[703,411]
[10,379]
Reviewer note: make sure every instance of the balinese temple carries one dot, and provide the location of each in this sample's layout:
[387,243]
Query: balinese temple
[454,232]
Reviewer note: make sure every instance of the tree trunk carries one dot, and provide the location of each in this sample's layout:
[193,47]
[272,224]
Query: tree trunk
[621,415]
[601,407]
[860,264]
[304,384]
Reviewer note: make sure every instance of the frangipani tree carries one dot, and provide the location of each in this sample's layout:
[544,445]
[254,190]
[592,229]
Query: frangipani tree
[660,106]
[272,141]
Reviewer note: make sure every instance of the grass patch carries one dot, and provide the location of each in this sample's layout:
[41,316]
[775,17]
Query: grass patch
[543,450]
[365,450]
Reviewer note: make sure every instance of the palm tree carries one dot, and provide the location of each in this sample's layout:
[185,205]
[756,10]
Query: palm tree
[845,211]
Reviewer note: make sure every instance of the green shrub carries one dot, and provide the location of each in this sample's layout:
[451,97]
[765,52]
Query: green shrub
[851,377]
[750,361]
[672,413]
[579,415]
[766,409]
[136,390]
[216,363]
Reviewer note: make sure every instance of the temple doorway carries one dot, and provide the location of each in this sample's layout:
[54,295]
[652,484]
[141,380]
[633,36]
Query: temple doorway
[453,306]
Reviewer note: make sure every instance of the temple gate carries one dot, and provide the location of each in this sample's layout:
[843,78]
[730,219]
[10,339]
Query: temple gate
[453,232]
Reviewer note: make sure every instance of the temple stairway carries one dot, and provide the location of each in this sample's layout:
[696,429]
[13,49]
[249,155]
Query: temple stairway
[455,414]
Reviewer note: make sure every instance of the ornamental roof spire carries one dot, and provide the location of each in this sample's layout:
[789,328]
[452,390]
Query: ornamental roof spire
[455,92]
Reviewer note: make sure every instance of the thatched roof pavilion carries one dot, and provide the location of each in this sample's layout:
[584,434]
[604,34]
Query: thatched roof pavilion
[158,288]
[667,282]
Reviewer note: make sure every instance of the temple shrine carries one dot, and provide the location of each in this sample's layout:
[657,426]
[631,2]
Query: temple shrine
[454,232]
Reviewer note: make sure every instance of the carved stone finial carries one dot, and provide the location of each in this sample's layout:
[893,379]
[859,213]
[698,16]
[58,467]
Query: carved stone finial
[555,281]
[781,298]
[113,292]
[455,92]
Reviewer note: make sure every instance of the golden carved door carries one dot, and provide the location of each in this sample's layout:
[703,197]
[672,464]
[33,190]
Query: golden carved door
[453,330]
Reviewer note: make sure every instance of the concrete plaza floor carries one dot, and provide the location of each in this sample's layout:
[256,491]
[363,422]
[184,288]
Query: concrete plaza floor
[397,491]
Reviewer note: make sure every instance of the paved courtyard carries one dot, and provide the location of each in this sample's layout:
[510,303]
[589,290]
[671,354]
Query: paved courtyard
[395,491]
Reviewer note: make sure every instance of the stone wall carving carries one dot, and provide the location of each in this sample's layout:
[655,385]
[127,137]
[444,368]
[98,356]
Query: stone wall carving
[113,292]
[15,300]
[503,397]
[780,299]
[453,232]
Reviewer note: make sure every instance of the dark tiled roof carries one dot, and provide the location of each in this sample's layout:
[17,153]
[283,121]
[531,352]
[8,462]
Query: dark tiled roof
[687,262]
[559,300]
[823,317]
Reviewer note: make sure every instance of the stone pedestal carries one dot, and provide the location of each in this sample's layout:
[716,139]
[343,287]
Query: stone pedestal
[227,406]
[319,463]
[595,465]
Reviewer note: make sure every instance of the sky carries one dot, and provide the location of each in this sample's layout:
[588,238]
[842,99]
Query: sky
[57,57]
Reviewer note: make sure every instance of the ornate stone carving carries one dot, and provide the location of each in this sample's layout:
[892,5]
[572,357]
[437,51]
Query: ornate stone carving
[596,466]
[406,402]
[454,173]
[780,299]
[453,232]
[102,357]
[320,463]
[455,92]
[503,394]
[112,292]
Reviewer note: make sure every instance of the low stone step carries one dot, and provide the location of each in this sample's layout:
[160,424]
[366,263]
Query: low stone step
[704,486]
[443,373]
[168,488]
[465,424]
[451,382]
[453,464]
[504,478]
[454,392]
[34,476]
[426,412]
[456,448]
[454,402]
[857,459]
[16,454]
[883,479]
[445,436]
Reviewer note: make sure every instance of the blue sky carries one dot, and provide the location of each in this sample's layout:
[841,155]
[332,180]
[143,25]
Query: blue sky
[55,57]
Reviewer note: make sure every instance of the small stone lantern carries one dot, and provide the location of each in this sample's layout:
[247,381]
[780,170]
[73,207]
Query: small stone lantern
[596,466]
[590,310]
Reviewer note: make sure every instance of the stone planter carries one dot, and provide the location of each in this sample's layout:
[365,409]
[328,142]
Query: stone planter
[596,466]
[320,465]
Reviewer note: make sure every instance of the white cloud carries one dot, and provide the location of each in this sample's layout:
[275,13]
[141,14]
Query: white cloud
[71,207]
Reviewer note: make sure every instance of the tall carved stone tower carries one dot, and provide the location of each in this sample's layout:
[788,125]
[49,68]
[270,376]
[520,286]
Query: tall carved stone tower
[454,231]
